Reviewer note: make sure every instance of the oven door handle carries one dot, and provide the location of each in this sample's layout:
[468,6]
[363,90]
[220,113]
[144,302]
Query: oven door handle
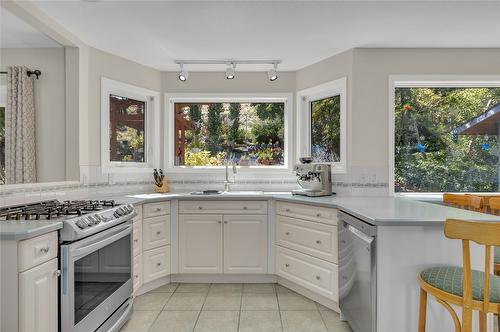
[83,251]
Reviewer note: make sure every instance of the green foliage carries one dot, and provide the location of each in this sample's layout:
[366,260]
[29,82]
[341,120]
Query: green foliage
[204,158]
[270,128]
[234,123]
[214,128]
[325,129]
[428,157]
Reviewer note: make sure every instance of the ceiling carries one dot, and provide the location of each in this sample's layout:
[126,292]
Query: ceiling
[16,33]
[300,33]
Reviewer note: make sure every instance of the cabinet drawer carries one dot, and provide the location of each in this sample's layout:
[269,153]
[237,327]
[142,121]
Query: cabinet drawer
[36,251]
[138,209]
[156,263]
[155,232]
[312,273]
[137,238]
[155,209]
[311,238]
[223,207]
[308,212]
[137,272]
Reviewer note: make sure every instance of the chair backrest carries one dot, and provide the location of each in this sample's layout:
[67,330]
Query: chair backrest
[483,233]
[494,204]
[463,201]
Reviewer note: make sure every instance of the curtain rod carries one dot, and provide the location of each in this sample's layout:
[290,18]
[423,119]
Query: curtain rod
[35,72]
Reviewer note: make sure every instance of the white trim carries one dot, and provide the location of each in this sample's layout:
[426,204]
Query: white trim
[152,127]
[303,99]
[410,81]
[172,98]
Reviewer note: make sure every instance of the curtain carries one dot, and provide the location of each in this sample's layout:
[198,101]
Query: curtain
[20,158]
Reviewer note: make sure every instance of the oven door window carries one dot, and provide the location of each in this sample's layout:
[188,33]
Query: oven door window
[100,274]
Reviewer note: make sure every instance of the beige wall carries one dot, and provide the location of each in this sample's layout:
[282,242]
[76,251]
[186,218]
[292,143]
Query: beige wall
[102,64]
[50,107]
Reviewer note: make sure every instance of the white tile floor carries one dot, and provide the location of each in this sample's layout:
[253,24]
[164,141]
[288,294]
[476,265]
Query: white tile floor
[231,308]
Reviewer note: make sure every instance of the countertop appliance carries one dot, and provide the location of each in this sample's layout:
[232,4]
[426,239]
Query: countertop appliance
[314,179]
[357,273]
[95,259]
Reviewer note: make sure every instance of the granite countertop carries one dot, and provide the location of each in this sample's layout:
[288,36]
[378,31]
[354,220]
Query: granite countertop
[379,211]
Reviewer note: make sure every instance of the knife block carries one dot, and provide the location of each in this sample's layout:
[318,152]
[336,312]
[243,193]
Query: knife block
[163,188]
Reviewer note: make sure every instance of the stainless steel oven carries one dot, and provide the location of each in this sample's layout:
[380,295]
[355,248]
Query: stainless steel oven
[357,273]
[96,284]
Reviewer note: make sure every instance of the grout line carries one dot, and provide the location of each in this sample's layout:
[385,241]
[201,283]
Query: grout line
[322,319]
[279,309]
[157,315]
[241,304]
[201,309]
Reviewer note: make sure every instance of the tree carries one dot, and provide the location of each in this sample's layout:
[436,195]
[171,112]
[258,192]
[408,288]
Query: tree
[270,128]
[214,128]
[234,123]
[325,129]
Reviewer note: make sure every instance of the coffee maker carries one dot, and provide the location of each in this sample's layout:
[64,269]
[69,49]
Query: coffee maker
[314,179]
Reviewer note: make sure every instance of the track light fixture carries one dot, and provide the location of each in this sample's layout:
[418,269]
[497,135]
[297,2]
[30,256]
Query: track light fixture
[272,74]
[183,74]
[230,71]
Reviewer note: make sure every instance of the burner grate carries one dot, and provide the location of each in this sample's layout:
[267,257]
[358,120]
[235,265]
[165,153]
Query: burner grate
[51,209]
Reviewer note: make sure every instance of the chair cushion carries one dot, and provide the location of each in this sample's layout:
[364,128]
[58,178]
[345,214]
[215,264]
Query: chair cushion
[450,280]
[497,255]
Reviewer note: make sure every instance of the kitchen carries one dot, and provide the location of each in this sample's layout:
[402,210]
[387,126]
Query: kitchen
[237,230]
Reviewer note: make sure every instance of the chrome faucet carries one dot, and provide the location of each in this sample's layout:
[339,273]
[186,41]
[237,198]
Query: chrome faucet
[227,182]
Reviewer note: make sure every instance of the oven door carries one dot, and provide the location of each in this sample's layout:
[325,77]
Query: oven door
[96,278]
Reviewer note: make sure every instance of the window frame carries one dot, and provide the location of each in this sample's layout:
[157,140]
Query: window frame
[423,81]
[151,127]
[169,121]
[304,99]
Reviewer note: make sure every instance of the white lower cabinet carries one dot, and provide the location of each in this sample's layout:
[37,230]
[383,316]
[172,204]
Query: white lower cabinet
[200,243]
[137,272]
[245,244]
[38,298]
[156,263]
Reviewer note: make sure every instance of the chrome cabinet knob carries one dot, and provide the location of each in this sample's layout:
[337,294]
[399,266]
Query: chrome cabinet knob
[318,277]
[287,265]
[158,209]
[44,250]
[136,240]
[287,233]
[244,208]
[158,264]
[225,221]
[158,233]
[318,241]
[287,210]
[220,221]
[57,273]
[318,214]
[200,207]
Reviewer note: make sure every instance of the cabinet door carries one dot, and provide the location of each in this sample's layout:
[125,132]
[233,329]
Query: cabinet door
[156,263]
[245,244]
[200,243]
[137,238]
[38,298]
[137,272]
[155,232]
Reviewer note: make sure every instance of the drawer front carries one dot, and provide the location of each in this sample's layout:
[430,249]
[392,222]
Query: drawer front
[307,212]
[223,207]
[137,272]
[155,209]
[35,251]
[156,263]
[137,238]
[138,209]
[312,273]
[311,238]
[155,232]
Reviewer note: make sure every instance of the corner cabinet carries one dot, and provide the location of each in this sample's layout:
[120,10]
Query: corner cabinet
[223,237]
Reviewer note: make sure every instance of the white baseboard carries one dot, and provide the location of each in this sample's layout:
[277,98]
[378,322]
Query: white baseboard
[224,278]
[309,294]
[152,285]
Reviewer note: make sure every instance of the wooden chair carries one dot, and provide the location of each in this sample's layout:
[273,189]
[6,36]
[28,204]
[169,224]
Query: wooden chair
[470,289]
[464,201]
[494,204]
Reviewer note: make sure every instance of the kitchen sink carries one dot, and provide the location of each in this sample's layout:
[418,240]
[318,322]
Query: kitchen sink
[226,193]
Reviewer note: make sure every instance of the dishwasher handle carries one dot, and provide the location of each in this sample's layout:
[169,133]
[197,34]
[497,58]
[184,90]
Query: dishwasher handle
[360,235]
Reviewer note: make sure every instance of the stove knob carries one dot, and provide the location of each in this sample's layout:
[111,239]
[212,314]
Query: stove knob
[98,219]
[81,223]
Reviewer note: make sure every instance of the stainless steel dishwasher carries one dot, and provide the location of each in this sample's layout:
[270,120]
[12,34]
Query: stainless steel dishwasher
[357,273]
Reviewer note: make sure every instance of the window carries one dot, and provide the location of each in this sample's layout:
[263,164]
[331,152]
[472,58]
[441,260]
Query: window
[129,129]
[446,137]
[322,124]
[249,131]
[3,104]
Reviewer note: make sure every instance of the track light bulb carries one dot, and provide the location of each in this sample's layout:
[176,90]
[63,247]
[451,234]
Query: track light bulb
[230,71]
[183,74]
[272,74]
